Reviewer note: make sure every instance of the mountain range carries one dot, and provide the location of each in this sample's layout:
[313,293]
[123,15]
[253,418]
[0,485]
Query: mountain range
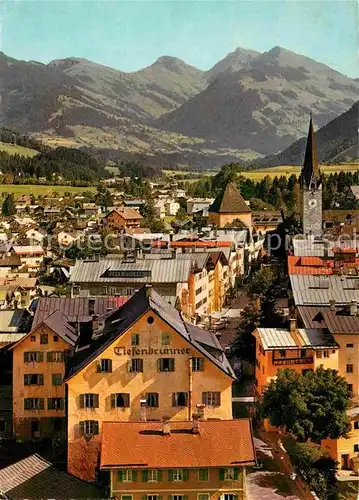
[247,106]
[337,142]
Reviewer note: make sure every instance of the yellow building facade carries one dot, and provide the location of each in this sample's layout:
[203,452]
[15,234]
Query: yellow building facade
[149,371]
[38,391]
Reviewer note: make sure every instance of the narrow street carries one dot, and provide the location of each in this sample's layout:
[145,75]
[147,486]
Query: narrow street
[274,480]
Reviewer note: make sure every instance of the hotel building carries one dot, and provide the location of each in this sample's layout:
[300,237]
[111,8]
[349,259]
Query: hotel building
[149,364]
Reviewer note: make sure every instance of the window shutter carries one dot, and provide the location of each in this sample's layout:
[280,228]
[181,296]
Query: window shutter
[26,377]
[144,497]
[170,474]
[174,399]
[26,357]
[109,361]
[126,400]
[113,400]
[219,398]
[236,473]
[41,379]
[26,404]
[159,476]
[95,401]
[172,365]
[82,428]
[185,474]
[41,404]
[141,365]
[49,403]
[221,474]
[98,365]
[201,364]
[82,400]
[129,365]
[62,403]
[40,356]
[204,398]
[160,364]
[160,497]
[156,395]
[144,476]
[186,398]
[95,427]
[119,476]
[134,476]
[185,497]
[49,357]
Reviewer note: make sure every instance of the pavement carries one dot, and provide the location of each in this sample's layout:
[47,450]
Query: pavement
[274,481]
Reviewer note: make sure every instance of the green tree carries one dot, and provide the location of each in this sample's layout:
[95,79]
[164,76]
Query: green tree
[310,406]
[103,197]
[261,282]
[244,345]
[181,214]
[8,206]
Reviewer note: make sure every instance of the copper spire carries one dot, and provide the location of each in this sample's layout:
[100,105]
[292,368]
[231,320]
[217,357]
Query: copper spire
[310,171]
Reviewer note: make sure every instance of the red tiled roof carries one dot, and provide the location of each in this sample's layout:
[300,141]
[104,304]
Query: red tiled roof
[142,444]
[318,265]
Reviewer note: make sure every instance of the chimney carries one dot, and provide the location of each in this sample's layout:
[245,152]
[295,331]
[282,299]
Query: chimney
[353,308]
[166,430]
[148,290]
[332,304]
[292,325]
[200,410]
[195,424]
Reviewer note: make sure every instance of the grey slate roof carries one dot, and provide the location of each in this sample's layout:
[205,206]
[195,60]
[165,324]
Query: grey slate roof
[34,478]
[337,322]
[279,338]
[161,271]
[142,301]
[319,290]
[75,309]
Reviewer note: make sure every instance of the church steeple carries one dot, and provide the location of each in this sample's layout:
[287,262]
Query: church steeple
[311,176]
[311,188]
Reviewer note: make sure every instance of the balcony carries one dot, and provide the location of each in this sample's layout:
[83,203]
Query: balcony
[293,361]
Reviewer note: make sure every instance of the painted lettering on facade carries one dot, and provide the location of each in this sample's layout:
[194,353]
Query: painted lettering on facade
[136,351]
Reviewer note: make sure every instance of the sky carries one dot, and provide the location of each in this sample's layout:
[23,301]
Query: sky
[129,35]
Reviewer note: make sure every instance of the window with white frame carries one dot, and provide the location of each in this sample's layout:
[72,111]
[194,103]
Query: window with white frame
[152,475]
[229,496]
[177,497]
[177,475]
[229,474]
[203,496]
[127,476]
[153,497]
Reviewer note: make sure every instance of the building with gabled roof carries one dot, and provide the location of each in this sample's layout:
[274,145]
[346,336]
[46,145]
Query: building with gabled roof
[193,460]
[149,364]
[59,326]
[230,206]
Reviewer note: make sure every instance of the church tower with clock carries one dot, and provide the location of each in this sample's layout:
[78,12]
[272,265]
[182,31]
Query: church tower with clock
[311,189]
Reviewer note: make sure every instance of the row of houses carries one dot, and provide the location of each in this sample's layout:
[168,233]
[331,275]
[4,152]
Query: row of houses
[122,377]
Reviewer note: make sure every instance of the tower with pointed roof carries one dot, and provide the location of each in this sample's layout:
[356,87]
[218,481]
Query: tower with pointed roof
[230,206]
[311,188]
